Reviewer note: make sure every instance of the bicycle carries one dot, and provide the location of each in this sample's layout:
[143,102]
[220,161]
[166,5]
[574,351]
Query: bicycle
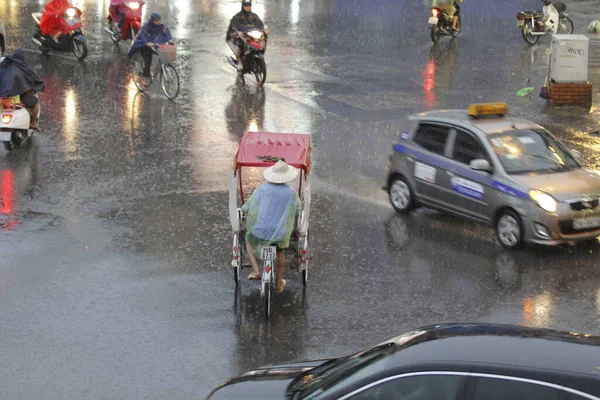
[169,79]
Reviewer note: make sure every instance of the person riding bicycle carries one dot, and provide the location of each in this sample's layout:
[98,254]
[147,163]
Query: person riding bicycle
[242,22]
[271,213]
[154,33]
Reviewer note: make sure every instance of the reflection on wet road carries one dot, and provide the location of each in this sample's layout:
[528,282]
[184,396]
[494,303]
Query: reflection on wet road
[114,277]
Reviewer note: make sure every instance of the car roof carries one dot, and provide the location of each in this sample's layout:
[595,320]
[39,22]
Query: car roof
[488,125]
[501,345]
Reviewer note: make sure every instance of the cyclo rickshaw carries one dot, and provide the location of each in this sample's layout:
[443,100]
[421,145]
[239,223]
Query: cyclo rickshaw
[262,150]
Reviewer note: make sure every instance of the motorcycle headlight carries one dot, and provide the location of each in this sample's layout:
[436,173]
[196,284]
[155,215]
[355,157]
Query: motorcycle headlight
[255,34]
[134,5]
[544,200]
[71,12]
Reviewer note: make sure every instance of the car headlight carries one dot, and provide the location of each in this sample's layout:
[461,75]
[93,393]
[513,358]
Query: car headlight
[544,200]
[255,34]
[134,5]
[71,12]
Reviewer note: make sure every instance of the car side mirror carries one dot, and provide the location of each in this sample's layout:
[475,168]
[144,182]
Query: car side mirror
[577,155]
[481,165]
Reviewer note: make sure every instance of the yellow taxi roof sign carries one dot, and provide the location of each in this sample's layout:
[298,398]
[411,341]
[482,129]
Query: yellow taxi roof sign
[486,109]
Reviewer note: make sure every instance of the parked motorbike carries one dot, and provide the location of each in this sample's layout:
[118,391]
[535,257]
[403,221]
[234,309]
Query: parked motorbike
[131,25]
[441,25]
[14,125]
[254,56]
[73,42]
[531,29]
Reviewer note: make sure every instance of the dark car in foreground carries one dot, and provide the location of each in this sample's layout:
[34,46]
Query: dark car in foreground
[440,362]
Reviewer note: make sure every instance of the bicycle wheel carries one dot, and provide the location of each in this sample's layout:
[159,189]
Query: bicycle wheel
[137,68]
[169,81]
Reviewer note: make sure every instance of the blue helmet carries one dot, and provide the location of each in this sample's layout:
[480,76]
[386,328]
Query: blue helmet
[155,17]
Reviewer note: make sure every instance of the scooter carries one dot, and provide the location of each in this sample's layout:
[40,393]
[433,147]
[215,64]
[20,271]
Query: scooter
[531,29]
[440,25]
[14,125]
[131,25]
[254,56]
[73,42]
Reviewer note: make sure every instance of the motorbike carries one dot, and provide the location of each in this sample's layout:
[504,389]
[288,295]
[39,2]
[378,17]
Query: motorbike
[14,125]
[72,42]
[131,25]
[254,56]
[531,29]
[441,25]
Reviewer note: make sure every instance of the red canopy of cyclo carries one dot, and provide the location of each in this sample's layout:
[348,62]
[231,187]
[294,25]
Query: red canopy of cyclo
[262,149]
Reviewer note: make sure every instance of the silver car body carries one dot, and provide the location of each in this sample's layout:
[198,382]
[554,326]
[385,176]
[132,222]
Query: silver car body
[442,183]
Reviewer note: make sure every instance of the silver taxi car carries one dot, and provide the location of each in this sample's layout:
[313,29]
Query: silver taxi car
[509,173]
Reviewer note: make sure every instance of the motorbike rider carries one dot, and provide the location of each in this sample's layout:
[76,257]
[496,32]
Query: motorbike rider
[116,12]
[456,14]
[242,22]
[154,33]
[550,18]
[27,98]
[52,22]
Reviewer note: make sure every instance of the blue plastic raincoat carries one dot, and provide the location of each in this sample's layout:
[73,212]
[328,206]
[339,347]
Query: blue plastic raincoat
[150,33]
[271,213]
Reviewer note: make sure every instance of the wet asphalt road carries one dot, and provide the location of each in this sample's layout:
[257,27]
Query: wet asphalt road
[114,236]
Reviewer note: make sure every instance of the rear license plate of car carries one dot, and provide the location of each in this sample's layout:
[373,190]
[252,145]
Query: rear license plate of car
[4,136]
[433,21]
[268,253]
[586,223]
[520,22]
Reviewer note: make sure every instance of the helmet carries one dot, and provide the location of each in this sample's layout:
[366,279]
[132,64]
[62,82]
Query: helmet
[155,17]
[246,3]
[547,2]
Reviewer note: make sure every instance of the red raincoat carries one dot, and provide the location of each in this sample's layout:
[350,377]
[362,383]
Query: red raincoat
[53,20]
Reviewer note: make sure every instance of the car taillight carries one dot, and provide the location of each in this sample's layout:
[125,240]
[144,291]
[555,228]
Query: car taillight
[434,12]
[6,118]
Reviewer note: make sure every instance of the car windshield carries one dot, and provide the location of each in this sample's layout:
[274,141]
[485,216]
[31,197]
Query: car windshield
[315,381]
[531,150]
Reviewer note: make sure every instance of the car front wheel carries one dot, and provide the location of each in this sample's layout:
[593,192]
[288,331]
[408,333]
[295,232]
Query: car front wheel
[509,230]
[401,195]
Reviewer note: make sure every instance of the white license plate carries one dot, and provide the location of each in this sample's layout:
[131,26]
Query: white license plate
[433,21]
[268,253]
[4,136]
[520,22]
[585,223]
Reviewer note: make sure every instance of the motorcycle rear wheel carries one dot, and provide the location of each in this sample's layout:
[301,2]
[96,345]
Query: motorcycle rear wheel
[435,34]
[530,39]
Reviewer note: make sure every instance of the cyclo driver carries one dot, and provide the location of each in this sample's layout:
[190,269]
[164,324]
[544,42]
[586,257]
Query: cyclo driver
[271,212]
[242,22]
